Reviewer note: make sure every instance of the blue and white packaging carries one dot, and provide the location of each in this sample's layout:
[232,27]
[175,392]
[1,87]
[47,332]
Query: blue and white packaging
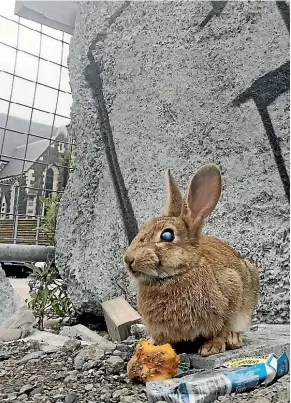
[207,386]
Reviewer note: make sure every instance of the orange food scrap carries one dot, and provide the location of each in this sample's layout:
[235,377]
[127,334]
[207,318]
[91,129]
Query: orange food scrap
[152,363]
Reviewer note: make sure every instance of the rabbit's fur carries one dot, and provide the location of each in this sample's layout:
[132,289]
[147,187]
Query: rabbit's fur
[192,286]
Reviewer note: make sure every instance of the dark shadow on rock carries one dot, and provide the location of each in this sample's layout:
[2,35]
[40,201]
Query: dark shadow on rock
[264,91]
[285,12]
[217,8]
[92,321]
[93,77]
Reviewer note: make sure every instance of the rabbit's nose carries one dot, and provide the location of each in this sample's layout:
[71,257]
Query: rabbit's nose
[129,260]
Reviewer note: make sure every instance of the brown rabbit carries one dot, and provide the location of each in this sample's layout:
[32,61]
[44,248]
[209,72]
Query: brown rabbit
[190,285]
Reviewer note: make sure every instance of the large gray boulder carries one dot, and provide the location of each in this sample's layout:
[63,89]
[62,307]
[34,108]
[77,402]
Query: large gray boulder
[9,301]
[185,83]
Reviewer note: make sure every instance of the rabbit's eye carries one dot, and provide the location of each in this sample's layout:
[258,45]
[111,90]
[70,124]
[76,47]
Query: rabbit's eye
[167,235]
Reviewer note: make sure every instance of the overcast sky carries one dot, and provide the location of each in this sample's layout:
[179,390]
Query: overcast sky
[26,66]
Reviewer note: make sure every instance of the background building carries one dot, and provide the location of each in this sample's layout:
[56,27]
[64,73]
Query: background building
[35,101]
[23,182]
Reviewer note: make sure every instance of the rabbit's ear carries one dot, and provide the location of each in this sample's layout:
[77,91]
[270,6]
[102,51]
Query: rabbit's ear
[203,192]
[174,200]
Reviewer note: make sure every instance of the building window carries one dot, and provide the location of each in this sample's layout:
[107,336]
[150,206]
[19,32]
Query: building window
[61,148]
[31,206]
[31,201]
[14,189]
[49,182]
[3,207]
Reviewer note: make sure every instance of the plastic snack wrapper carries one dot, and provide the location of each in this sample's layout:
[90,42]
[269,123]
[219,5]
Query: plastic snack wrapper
[239,376]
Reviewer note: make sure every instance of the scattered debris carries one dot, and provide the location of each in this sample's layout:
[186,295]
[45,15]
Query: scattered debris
[31,356]
[119,316]
[89,357]
[26,389]
[71,397]
[114,365]
[53,378]
[101,378]
[79,365]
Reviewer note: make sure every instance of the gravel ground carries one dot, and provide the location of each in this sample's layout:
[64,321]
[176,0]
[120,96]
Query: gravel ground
[32,372]
[28,374]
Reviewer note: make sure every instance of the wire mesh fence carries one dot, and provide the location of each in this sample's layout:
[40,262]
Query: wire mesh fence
[35,149]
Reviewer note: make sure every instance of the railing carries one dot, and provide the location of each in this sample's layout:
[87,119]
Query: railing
[22,231]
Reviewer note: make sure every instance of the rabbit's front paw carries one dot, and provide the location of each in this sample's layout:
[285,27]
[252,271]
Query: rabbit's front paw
[233,340]
[214,346]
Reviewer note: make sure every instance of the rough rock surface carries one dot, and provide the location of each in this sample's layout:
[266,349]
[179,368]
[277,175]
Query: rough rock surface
[9,301]
[18,325]
[173,75]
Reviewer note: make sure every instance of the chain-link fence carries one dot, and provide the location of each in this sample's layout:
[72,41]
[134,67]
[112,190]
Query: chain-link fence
[35,150]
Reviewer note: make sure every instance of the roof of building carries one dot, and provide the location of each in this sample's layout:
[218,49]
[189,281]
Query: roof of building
[13,147]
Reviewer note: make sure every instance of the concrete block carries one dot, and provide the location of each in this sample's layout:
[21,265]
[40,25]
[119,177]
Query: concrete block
[175,109]
[266,340]
[119,316]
